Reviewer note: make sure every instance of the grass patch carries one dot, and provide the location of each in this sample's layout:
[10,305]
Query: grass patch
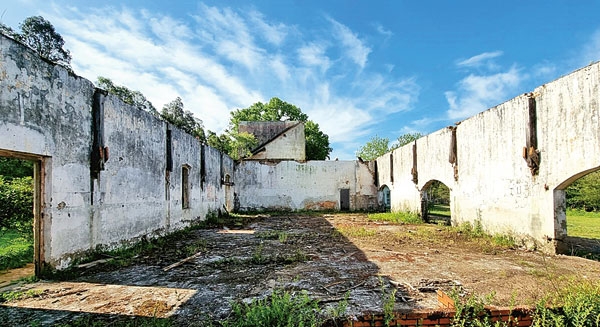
[583,224]
[19,295]
[439,210]
[354,231]
[16,249]
[396,217]
[281,309]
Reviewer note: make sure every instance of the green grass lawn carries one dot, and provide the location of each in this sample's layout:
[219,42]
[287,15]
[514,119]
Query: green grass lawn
[583,224]
[16,250]
[440,210]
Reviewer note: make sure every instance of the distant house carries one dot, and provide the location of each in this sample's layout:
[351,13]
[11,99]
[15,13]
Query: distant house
[277,140]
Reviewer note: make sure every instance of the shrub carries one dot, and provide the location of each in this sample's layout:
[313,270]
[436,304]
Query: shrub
[16,204]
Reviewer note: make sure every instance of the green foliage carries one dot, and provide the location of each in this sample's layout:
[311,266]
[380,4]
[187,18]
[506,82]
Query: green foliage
[438,193]
[9,296]
[40,35]
[406,139]
[576,304]
[317,143]
[389,301]
[241,144]
[174,113]
[470,311]
[339,311]
[584,193]
[396,217]
[135,98]
[16,249]
[15,168]
[282,309]
[374,148]
[378,146]
[16,205]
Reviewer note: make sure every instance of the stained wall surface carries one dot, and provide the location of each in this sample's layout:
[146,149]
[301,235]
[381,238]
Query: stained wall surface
[112,173]
[314,185]
[490,181]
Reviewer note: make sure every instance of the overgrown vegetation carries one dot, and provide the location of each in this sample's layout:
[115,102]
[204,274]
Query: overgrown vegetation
[16,249]
[396,217]
[575,305]
[584,193]
[16,213]
[281,309]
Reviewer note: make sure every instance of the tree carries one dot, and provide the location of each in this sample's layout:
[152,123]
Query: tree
[174,113]
[406,139]
[135,98]
[374,148]
[15,168]
[40,35]
[584,193]
[317,142]
[377,146]
[8,31]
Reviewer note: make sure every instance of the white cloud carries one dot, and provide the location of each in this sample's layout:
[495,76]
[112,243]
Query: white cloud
[483,59]
[355,48]
[314,55]
[273,33]
[383,31]
[224,59]
[476,93]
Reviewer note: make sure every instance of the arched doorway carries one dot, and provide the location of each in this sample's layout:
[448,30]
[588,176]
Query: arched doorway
[577,214]
[385,198]
[435,202]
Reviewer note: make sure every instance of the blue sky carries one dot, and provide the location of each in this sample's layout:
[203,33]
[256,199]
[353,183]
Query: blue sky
[357,68]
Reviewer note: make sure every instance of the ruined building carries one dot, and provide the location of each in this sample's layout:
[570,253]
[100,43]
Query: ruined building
[108,173]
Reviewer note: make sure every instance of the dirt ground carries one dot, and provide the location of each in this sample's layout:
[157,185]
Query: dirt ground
[327,256]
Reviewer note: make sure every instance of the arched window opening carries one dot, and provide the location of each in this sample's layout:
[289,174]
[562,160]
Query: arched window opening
[577,214]
[435,203]
[385,198]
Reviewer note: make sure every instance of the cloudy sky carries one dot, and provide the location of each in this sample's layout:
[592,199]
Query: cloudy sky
[357,68]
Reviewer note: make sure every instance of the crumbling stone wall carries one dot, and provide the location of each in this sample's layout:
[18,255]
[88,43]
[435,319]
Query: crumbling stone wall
[507,167]
[110,173]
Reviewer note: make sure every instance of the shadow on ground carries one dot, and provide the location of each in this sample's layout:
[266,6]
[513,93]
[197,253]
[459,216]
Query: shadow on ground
[328,256]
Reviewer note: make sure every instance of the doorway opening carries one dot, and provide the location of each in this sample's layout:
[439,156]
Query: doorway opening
[435,203]
[344,199]
[385,198]
[21,188]
[579,216]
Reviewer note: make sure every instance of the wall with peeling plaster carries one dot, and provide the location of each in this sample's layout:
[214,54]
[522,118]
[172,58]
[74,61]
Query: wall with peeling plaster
[314,185]
[284,140]
[90,202]
[491,181]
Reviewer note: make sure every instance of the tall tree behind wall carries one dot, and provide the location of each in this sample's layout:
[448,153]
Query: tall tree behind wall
[41,36]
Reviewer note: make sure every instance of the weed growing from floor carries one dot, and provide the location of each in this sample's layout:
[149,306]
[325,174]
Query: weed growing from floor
[19,295]
[338,312]
[281,309]
[396,217]
[576,304]
[470,311]
[389,301]
[352,231]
